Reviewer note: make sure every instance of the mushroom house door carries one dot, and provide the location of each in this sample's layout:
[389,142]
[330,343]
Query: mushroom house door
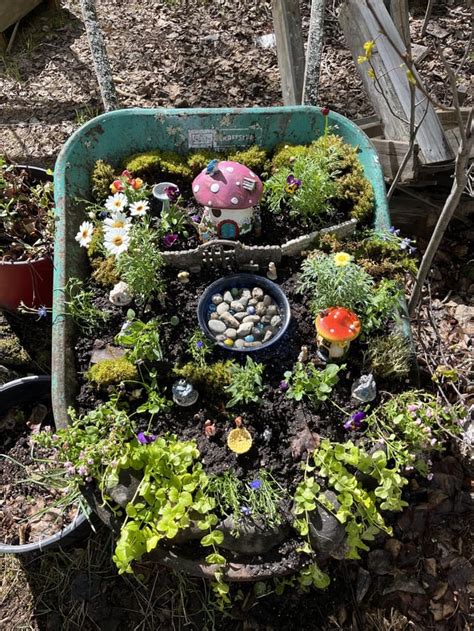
[228,229]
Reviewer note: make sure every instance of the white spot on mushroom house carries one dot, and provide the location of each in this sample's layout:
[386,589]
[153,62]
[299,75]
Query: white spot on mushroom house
[331,330]
[215,187]
[234,200]
[209,203]
[230,169]
[196,188]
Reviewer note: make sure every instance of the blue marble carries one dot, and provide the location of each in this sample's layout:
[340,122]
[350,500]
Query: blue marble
[249,338]
[251,310]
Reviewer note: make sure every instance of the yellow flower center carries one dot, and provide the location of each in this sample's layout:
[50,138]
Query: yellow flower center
[117,240]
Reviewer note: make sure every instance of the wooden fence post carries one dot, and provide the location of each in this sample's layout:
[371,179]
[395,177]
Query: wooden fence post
[290,49]
[314,49]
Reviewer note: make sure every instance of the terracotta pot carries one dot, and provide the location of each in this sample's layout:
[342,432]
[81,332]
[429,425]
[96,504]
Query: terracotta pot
[30,282]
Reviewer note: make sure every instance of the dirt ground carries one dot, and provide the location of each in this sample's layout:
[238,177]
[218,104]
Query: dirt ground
[187,53]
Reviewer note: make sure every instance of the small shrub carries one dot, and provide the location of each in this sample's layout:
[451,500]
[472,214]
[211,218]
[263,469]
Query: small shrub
[101,179]
[308,381]
[80,307]
[388,357]
[254,158]
[105,271]
[142,340]
[245,383]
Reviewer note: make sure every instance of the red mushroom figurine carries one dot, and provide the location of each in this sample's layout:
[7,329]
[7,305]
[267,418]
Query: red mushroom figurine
[228,191]
[336,328]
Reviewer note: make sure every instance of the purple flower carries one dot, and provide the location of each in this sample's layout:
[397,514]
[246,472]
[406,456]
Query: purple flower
[169,240]
[255,484]
[245,510]
[172,193]
[42,312]
[145,439]
[430,476]
[412,407]
[196,218]
[292,184]
[355,421]
[199,344]
[83,471]
[394,231]
[406,244]
[283,385]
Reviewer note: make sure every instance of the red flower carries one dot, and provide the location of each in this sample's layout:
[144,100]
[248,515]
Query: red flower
[325,110]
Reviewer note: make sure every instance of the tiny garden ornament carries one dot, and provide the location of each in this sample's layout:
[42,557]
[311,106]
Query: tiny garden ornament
[229,191]
[364,389]
[184,393]
[239,440]
[336,328]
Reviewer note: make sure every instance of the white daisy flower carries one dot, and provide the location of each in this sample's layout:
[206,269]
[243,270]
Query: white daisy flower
[116,240]
[84,236]
[117,220]
[116,203]
[139,209]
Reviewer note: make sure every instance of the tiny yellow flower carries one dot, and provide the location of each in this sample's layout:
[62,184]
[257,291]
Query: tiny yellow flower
[411,77]
[361,59]
[369,48]
[371,73]
[341,259]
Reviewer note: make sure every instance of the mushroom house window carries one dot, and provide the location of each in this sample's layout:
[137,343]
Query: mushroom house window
[216,212]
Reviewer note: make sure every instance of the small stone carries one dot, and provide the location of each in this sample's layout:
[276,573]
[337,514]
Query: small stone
[268,335]
[253,302]
[240,316]
[260,326]
[231,311]
[246,293]
[252,344]
[183,277]
[249,338]
[235,292]
[232,333]
[239,343]
[174,320]
[272,310]
[214,316]
[230,320]
[252,318]
[237,306]
[221,337]
[261,309]
[257,292]
[266,319]
[120,295]
[217,299]
[244,301]
[303,355]
[229,342]
[275,321]
[222,308]
[228,297]
[267,300]
[211,308]
[244,329]
[257,333]
[216,326]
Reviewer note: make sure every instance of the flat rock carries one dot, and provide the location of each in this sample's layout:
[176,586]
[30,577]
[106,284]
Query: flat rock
[216,326]
[326,533]
[244,329]
[237,306]
[228,297]
[222,308]
[230,320]
[125,490]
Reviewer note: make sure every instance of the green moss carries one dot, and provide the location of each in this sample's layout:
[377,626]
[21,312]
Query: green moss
[101,179]
[212,376]
[12,353]
[96,248]
[168,162]
[198,160]
[254,158]
[112,371]
[285,155]
[105,271]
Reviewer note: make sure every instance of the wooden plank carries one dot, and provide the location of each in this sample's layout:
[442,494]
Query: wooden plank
[370,125]
[11,12]
[391,154]
[314,49]
[399,12]
[290,49]
[449,119]
[359,25]
[454,138]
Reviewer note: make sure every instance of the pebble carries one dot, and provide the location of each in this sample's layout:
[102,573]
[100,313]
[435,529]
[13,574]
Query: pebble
[261,309]
[253,302]
[217,299]
[244,301]
[221,337]
[240,316]
[246,293]
[249,338]
[266,319]
[235,292]
[232,333]
[214,316]
[229,342]
[230,320]
[251,310]
[217,326]
[222,308]
[212,308]
[252,344]
[228,297]
[257,292]
[244,329]
[275,321]
[268,335]
[237,306]
[272,310]
[257,333]
[239,343]
[267,300]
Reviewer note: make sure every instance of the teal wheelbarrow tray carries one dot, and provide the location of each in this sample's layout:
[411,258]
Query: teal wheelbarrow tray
[116,135]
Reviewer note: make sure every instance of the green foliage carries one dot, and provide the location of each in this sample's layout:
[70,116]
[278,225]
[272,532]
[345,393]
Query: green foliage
[310,575]
[96,248]
[382,306]
[411,425]
[141,265]
[142,340]
[174,220]
[330,285]
[311,200]
[245,383]
[388,356]
[170,496]
[254,158]
[101,179]
[308,381]
[198,160]
[156,403]
[359,508]
[214,377]
[166,162]
[285,155]
[91,442]
[80,307]
[112,371]
[199,347]
[105,271]
[259,499]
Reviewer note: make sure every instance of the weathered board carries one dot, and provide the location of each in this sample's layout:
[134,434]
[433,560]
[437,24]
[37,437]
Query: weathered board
[359,25]
[290,49]
[13,10]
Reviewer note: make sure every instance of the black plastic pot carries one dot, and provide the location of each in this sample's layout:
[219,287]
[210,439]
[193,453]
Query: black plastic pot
[19,392]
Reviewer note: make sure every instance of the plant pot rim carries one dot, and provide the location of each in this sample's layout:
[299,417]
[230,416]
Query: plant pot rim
[34,261]
[79,520]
